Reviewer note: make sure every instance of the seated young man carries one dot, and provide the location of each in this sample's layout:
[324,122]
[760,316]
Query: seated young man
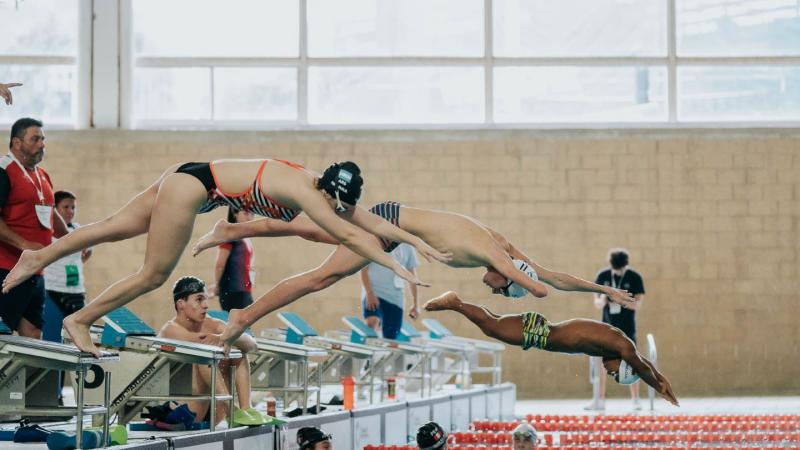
[620,357]
[191,323]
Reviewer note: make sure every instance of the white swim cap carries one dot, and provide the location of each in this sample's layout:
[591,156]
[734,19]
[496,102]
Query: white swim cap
[625,375]
[514,290]
[525,430]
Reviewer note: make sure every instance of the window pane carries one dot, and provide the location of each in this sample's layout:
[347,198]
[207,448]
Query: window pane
[172,94]
[235,28]
[395,28]
[41,27]
[579,94]
[738,28]
[48,93]
[739,93]
[395,95]
[255,93]
[579,28]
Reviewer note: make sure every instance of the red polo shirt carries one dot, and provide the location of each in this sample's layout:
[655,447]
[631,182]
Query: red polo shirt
[18,200]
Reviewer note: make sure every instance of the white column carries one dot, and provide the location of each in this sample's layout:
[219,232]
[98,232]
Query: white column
[105,64]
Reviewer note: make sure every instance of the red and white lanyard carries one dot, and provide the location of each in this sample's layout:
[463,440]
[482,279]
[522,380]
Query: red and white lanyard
[39,189]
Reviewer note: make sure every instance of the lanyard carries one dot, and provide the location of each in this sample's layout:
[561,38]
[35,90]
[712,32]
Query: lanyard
[40,188]
[618,285]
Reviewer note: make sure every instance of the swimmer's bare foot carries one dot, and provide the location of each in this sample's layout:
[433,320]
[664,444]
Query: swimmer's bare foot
[448,300]
[79,333]
[29,263]
[217,235]
[234,329]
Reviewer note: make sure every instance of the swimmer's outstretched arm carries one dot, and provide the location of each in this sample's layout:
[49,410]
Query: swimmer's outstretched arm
[564,281]
[626,349]
[500,261]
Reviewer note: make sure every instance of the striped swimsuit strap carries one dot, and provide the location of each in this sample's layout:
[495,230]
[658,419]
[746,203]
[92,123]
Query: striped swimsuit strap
[389,211]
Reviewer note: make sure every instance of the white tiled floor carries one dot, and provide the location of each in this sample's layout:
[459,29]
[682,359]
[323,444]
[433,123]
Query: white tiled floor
[695,406]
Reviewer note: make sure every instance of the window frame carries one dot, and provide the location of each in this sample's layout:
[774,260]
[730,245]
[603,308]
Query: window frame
[82,94]
[671,61]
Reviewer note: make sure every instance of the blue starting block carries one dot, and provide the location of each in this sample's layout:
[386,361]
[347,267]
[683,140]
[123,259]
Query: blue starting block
[360,332]
[121,323]
[4,328]
[223,316]
[408,332]
[297,327]
[436,329]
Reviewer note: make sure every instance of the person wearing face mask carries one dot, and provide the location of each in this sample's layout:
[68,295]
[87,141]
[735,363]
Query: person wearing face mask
[619,275]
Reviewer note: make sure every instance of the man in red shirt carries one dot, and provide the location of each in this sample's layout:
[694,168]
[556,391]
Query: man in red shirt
[27,221]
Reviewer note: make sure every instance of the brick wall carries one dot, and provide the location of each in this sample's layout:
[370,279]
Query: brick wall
[710,218]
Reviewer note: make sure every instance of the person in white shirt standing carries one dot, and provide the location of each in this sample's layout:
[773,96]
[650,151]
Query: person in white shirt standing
[63,279]
[383,294]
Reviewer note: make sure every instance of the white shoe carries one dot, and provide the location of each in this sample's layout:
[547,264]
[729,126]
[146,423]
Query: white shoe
[599,405]
[637,404]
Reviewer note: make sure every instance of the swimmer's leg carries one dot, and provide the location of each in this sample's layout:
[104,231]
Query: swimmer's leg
[503,328]
[340,264]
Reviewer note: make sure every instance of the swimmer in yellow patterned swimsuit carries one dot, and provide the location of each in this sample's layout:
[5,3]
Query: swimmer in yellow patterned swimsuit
[620,357]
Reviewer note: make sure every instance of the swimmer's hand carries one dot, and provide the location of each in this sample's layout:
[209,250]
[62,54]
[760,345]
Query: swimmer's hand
[621,297]
[430,253]
[212,339]
[5,91]
[408,276]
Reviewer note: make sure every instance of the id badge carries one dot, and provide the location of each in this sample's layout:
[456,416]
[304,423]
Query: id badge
[44,213]
[73,276]
[614,308]
[399,283]
[252,274]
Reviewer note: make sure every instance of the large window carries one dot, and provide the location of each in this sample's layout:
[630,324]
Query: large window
[40,46]
[404,63]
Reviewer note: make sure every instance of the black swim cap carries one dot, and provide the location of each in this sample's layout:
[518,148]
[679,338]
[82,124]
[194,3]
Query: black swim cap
[343,178]
[431,436]
[308,436]
[186,286]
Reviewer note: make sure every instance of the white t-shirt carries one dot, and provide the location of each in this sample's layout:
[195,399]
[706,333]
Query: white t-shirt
[66,274]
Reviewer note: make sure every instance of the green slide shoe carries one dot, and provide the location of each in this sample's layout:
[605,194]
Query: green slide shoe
[247,417]
[118,434]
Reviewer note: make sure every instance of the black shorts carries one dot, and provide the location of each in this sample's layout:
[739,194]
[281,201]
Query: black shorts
[235,300]
[26,301]
[67,303]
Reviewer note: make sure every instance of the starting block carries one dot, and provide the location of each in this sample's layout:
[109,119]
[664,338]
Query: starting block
[493,349]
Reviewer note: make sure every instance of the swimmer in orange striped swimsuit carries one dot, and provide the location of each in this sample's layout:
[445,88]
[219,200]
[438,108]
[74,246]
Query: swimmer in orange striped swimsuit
[531,329]
[166,212]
